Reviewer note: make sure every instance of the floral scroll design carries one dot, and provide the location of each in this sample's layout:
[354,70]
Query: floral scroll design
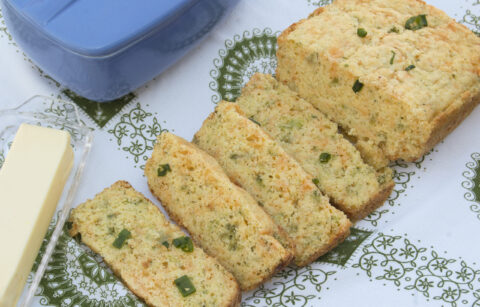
[290,287]
[243,57]
[136,133]
[394,259]
[472,184]
[76,276]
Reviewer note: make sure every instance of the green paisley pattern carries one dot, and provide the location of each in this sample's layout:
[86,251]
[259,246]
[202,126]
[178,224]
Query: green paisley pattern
[100,112]
[136,134]
[472,20]
[395,260]
[472,184]
[403,173]
[77,277]
[244,56]
[290,287]
[319,2]
[344,251]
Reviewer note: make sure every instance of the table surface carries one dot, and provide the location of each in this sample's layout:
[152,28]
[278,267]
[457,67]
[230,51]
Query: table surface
[420,249]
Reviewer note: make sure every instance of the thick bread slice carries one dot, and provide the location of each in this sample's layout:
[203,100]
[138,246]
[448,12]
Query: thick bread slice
[260,165]
[313,140]
[224,219]
[396,74]
[143,262]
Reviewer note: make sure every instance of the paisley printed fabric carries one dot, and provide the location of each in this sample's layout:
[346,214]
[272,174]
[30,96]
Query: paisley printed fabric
[419,248]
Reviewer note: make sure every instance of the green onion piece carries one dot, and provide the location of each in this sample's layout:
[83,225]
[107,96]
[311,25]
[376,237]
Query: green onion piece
[163,170]
[357,86]
[325,157]
[234,156]
[393,57]
[316,181]
[253,120]
[394,30]
[361,32]
[165,243]
[184,285]
[409,67]
[416,22]
[184,243]
[123,236]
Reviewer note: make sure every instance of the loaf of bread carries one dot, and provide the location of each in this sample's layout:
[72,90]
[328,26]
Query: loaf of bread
[313,140]
[256,162]
[396,74]
[224,219]
[152,256]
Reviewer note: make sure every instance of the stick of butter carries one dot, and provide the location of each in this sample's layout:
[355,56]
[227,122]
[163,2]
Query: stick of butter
[31,183]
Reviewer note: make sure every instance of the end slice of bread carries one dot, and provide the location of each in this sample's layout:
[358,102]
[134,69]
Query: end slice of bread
[136,241]
[314,141]
[256,162]
[223,218]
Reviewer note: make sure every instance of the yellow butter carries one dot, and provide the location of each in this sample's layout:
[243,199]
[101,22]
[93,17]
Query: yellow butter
[31,182]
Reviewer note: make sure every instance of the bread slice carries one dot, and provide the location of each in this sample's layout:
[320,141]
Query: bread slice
[257,163]
[396,74]
[313,140]
[135,240]
[224,219]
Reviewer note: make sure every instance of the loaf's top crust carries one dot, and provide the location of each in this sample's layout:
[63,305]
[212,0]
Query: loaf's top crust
[445,53]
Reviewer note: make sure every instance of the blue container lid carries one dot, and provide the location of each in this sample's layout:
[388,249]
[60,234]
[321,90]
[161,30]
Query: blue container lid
[99,28]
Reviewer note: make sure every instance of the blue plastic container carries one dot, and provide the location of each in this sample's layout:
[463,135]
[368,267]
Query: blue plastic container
[104,49]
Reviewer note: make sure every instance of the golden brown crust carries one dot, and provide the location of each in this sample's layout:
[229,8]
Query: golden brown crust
[341,235]
[373,203]
[447,121]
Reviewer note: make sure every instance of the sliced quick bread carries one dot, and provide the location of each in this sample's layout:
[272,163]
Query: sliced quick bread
[224,219]
[256,162]
[152,256]
[396,74]
[313,140]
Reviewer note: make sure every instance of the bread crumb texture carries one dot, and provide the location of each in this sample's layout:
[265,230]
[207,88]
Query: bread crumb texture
[129,232]
[402,87]
[223,218]
[256,162]
[313,140]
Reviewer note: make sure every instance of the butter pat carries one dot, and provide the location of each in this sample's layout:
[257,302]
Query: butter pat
[31,183]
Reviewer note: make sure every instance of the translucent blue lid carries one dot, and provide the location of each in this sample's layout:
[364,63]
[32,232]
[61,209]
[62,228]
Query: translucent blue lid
[99,27]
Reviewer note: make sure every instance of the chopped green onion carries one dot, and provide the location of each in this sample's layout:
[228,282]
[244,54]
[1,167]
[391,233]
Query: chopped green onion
[123,236]
[253,120]
[357,86]
[394,30]
[316,181]
[325,157]
[393,57]
[166,244]
[361,32]
[259,180]
[409,67]
[163,170]
[184,243]
[184,285]
[416,22]
[234,156]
